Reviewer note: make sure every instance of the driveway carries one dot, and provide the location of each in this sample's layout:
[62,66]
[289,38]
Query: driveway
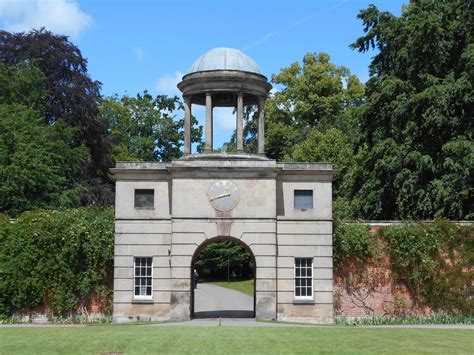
[212,301]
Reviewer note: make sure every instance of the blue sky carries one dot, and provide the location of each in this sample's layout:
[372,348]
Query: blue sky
[139,44]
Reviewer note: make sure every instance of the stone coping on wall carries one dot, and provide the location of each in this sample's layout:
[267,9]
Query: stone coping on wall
[386,223]
[224,161]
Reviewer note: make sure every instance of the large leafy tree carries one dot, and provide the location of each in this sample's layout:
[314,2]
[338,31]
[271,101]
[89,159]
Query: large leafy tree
[334,146]
[313,94]
[417,124]
[313,116]
[144,127]
[37,164]
[70,96]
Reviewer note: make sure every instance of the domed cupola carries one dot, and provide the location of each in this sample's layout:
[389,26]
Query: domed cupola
[225,59]
[224,77]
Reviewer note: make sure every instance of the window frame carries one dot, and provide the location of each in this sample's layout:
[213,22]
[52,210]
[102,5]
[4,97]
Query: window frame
[143,207]
[306,297]
[142,297]
[303,208]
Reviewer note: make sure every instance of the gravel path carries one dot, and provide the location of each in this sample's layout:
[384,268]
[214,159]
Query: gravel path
[211,301]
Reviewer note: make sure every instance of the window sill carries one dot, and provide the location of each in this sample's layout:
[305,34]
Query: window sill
[142,301]
[144,208]
[303,301]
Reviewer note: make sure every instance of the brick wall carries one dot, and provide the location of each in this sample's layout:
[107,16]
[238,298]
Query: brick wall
[368,289]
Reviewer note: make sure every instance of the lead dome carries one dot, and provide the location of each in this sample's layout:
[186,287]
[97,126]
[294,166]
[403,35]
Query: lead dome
[224,77]
[222,58]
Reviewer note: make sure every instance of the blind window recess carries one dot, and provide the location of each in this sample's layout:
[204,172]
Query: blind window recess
[303,199]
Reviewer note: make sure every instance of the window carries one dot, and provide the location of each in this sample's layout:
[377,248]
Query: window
[303,199]
[144,198]
[143,278]
[304,278]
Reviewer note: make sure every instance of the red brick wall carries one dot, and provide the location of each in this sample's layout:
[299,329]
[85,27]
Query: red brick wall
[362,290]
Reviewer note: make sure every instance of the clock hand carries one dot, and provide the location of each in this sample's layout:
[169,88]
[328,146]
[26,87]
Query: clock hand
[219,196]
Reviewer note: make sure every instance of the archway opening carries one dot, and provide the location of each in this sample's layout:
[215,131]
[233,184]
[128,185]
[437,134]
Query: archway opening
[223,275]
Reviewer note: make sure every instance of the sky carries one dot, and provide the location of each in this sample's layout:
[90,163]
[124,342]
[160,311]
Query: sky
[135,45]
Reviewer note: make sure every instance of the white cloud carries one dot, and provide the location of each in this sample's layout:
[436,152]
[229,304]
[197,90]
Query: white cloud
[167,84]
[59,16]
[224,119]
[138,53]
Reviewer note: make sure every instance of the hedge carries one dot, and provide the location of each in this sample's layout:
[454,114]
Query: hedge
[57,258]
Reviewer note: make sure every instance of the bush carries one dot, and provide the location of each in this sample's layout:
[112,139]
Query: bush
[56,258]
[435,261]
[353,241]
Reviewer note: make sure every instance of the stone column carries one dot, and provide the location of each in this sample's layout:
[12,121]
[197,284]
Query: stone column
[240,122]
[208,145]
[187,126]
[261,126]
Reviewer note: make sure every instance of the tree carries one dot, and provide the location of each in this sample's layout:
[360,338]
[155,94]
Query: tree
[37,165]
[144,128]
[317,94]
[312,117]
[331,145]
[71,96]
[417,123]
[216,259]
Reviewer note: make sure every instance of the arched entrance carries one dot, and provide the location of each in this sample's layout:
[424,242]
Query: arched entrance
[224,265]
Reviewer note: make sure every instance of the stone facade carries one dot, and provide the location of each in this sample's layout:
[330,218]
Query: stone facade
[264,220]
[210,196]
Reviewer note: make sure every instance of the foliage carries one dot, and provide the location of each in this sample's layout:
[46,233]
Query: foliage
[417,123]
[435,261]
[22,85]
[215,259]
[386,320]
[57,258]
[144,127]
[353,241]
[37,165]
[70,96]
[314,94]
[331,145]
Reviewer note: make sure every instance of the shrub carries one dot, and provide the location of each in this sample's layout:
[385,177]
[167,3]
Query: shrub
[435,261]
[353,241]
[57,258]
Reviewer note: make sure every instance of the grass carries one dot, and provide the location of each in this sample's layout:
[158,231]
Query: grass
[245,286]
[382,320]
[135,339]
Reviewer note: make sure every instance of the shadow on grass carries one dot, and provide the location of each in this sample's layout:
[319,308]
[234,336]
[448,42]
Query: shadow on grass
[224,314]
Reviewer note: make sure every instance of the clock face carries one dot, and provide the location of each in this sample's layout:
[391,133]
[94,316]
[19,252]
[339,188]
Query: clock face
[223,195]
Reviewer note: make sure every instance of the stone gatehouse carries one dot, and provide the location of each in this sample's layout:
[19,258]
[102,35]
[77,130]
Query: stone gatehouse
[281,212]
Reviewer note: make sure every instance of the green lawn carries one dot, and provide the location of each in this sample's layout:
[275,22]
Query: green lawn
[145,339]
[245,286]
